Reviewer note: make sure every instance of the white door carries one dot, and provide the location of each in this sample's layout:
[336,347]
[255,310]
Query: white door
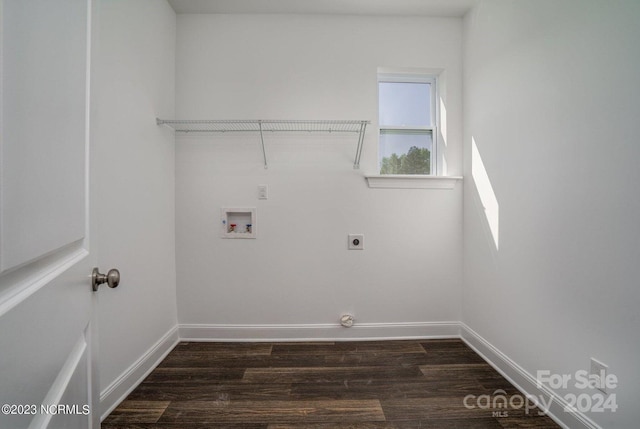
[47,356]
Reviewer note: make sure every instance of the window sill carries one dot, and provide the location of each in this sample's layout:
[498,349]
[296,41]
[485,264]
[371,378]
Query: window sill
[412,181]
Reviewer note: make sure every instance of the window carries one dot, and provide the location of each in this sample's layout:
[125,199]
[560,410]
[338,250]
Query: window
[407,124]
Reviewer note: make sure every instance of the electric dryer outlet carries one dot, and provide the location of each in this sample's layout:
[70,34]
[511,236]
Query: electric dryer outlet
[356,241]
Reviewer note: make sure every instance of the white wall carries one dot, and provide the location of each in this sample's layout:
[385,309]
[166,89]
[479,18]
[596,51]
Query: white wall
[298,271]
[133,160]
[552,102]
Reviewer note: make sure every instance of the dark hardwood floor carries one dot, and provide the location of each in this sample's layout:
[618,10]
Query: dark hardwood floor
[355,385]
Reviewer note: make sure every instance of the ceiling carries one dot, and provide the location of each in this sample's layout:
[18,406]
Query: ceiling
[438,8]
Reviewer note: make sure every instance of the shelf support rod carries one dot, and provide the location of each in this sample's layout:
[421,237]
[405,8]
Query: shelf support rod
[363,127]
[264,153]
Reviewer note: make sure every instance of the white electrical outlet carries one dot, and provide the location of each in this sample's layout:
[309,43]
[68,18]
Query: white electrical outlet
[356,241]
[263,192]
[598,375]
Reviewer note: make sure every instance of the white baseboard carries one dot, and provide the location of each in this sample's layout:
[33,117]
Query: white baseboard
[117,391]
[319,332]
[525,382]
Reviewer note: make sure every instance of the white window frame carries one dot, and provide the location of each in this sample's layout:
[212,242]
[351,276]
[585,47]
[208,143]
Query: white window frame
[435,117]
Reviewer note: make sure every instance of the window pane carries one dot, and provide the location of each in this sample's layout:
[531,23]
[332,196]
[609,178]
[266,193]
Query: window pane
[405,152]
[405,103]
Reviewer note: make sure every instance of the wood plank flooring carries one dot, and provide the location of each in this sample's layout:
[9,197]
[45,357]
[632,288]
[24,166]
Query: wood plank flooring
[342,385]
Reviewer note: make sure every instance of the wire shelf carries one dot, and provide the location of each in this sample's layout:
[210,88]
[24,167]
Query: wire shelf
[240,125]
[265,125]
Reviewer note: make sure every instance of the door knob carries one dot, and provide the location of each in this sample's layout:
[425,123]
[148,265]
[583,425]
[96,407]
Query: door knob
[112,278]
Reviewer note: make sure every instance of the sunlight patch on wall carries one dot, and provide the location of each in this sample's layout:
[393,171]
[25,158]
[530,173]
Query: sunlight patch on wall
[443,121]
[443,132]
[485,191]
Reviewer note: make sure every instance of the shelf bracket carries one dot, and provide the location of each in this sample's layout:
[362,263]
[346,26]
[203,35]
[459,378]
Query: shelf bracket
[264,153]
[363,127]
